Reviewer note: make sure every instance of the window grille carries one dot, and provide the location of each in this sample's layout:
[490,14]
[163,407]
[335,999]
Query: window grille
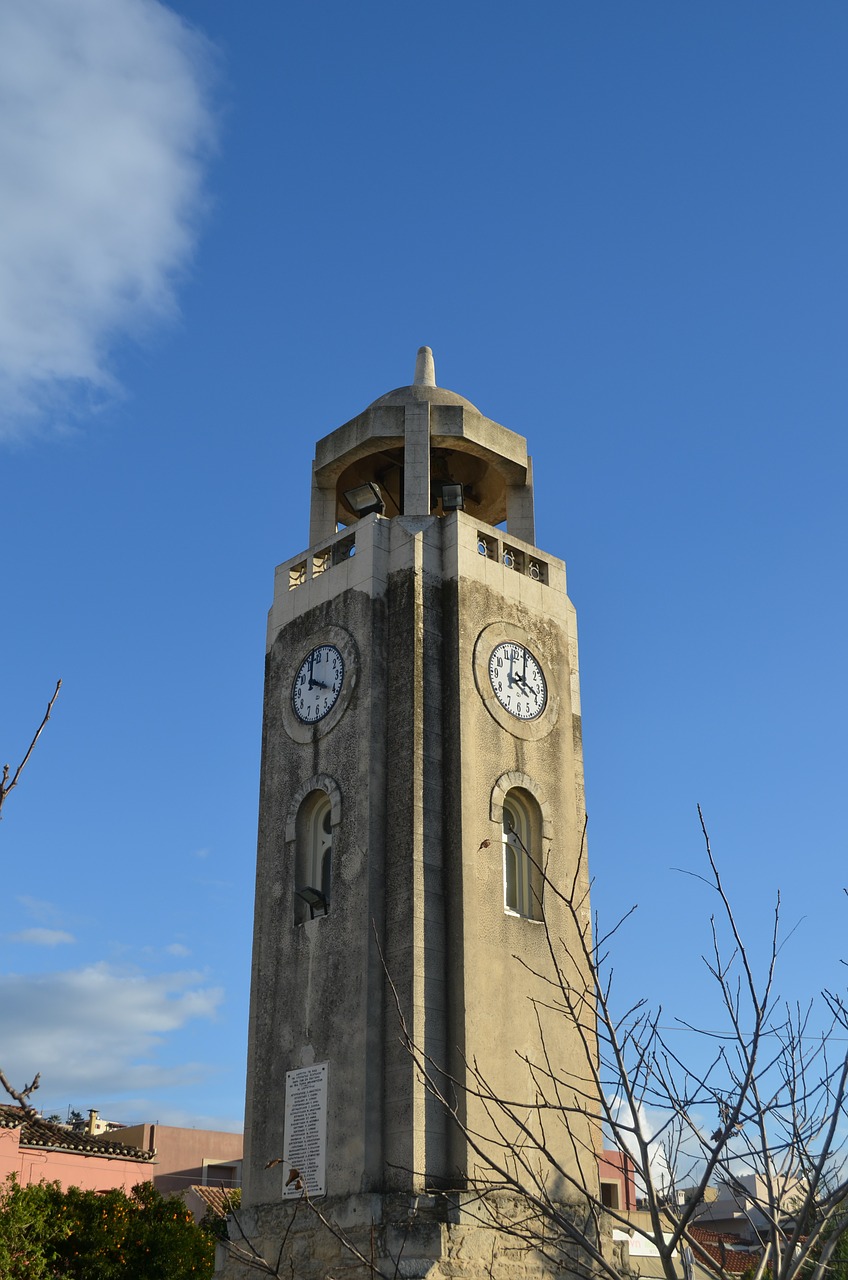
[344,549]
[487,546]
[321,562]
[513,559]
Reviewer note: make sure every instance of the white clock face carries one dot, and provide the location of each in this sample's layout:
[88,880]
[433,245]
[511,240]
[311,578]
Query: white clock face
[517,681]
[318,683]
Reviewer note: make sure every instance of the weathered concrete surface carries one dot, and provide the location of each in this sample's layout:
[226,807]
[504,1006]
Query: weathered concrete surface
[419,1238]
[418,754]
[386,444]
[417,757]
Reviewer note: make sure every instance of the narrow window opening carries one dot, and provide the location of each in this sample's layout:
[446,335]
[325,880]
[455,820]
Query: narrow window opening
[313,857]
[521,856]
[325,850]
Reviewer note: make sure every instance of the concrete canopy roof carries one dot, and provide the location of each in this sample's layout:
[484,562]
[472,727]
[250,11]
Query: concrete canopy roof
[466,448]
[415,394]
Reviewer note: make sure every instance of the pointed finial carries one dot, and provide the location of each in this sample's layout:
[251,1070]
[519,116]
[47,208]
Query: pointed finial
[425,369]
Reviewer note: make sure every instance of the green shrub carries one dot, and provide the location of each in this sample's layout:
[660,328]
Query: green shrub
[50,1234]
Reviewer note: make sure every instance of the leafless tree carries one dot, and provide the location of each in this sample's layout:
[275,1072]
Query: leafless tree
[774,1075]
[8,782]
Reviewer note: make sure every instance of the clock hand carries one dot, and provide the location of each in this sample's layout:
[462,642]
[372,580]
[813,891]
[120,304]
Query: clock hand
[524,672]
[311,665]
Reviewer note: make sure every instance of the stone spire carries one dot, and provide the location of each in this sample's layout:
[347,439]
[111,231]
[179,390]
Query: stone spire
[425,368]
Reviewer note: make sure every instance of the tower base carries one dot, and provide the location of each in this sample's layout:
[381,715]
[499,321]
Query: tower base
[450,1236]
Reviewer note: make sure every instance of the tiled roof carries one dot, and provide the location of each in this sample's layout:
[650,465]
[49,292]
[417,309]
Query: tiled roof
[718,1246]
[11,1117]
[36,1132]
[714,1237]
[219,1199]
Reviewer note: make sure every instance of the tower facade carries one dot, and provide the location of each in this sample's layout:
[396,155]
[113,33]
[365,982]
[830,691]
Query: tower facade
[421,776]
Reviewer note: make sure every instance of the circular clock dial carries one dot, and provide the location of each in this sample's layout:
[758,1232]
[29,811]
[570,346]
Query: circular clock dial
[318,683]
[517,681]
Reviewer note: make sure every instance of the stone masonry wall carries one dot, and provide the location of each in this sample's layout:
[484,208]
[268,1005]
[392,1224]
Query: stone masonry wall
[398,1238]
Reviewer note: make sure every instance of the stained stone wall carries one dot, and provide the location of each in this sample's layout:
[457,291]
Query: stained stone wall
[417,757]
[398,1237]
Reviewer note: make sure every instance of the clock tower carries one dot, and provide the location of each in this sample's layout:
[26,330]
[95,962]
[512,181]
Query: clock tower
[421,765]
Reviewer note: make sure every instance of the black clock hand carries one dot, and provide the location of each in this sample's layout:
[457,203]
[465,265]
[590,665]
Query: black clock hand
[311,665]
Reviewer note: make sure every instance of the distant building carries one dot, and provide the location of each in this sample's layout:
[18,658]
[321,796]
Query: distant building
[173,1159]
[95,1124]
[37,1150]
[618,1180]
[731,1253]
[737,1209]
[187,1157]
[727,1231]
[716,1252]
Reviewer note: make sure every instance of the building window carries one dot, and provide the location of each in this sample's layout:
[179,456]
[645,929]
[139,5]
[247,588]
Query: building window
[521,843]
[217,1174]
[610,1198]
[313,857]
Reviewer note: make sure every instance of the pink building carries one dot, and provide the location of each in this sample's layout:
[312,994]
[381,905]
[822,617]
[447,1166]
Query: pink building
[187,1157]
[36,1150]
[173,1159]
[618,1180]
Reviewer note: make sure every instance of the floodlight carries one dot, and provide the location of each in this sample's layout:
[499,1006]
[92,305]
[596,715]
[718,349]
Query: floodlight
[365,499]
[313,898]
[453,498]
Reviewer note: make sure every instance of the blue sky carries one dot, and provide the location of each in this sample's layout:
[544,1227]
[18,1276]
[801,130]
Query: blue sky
[225,230]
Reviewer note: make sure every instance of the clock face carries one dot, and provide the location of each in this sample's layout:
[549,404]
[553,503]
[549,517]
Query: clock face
[517,681]
[318,683]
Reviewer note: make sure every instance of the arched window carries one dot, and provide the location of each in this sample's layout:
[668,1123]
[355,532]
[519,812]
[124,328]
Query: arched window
[521,855]
[313,857]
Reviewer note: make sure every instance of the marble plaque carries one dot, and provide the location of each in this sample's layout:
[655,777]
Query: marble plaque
[305,1140]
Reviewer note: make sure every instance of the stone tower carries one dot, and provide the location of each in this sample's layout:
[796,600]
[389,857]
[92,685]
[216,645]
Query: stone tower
[421,761]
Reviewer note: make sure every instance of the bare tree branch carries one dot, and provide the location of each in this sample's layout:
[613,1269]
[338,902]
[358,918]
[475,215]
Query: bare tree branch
[756,1106]
[21,1096]
[778,1088]
[5,784]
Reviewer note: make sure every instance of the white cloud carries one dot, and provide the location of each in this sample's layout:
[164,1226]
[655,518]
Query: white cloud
[39,908]
[99,1029]
[42,937]
[661,1174]
[177,949]
[104,124]
[138,1109]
